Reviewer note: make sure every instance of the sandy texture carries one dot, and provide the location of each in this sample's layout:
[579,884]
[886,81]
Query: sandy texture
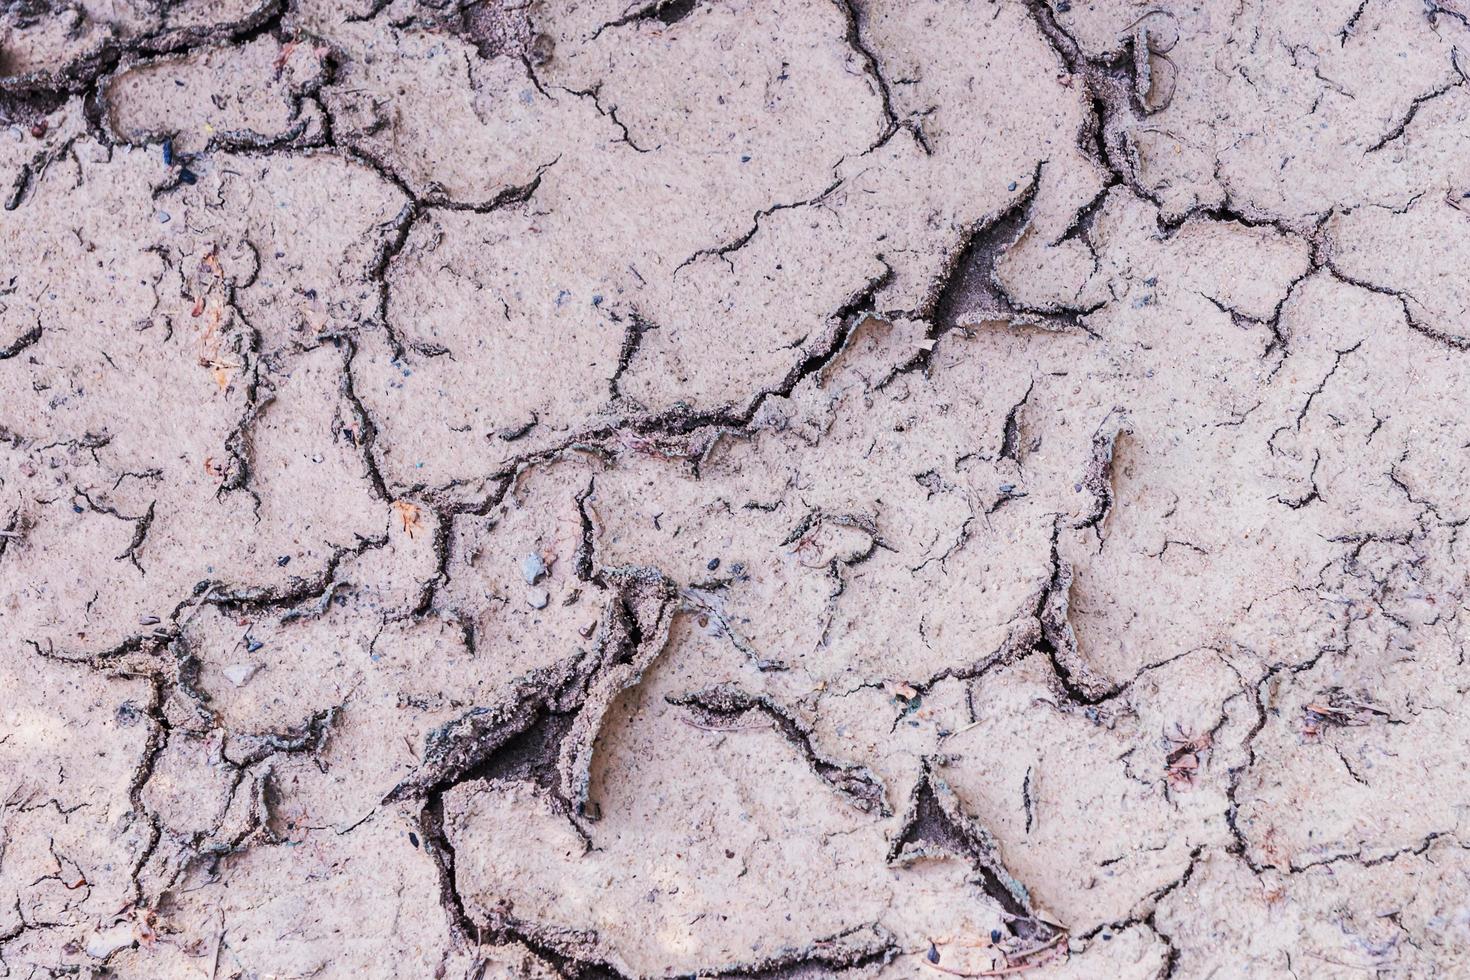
[712,488]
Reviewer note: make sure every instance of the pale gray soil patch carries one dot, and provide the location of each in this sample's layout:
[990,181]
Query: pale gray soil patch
[734,488]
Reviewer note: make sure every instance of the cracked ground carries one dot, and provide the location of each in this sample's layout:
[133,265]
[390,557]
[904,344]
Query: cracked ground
[714,488]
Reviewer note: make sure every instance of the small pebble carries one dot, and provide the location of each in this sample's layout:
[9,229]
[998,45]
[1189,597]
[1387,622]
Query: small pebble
[933,954]
[283,561]
[537,598]
[240,674]
[252,644]
[38,129]
[103,944]
[712,564]
[187,176]
[164,217]
[543,46]
[533,568]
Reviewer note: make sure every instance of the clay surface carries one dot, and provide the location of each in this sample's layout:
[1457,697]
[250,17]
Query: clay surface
[734,488]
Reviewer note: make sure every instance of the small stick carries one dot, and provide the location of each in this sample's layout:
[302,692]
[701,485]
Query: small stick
[1350,966]
[198,605]
[718,728]
[1002,971]
[983,973]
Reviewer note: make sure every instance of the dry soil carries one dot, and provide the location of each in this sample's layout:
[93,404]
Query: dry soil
[713,488]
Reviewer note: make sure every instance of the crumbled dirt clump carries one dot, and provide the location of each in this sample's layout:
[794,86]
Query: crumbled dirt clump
[871,488]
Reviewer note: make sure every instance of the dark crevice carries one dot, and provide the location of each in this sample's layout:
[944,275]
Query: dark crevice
[159,732]
[309,737]
[1455,341]
[26,94]
[607,112]
[683,421]
[969,288]
[1279,339]
[1112,91]
[968,291]
[722,251]
[855,949]
[665,12]
[210,592]
[366,436]
[1396,132]
[1350,28]
[578,689]
[862,788]
[632,341]
[391,246]
[140,532]
[853,35]
[1098,478]
[1058,641]
[586,546]
[935,823]
[25,340]
[1010,440]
